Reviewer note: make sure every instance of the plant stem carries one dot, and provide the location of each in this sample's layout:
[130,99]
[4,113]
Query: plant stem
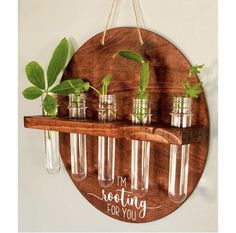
[49,135]
[95,89]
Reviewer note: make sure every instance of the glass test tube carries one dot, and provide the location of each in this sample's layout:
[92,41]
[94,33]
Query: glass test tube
[179,154]
[140,155]
[106,145]
[51,142]
[77,110]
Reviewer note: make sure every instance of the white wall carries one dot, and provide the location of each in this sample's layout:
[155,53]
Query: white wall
[52,203]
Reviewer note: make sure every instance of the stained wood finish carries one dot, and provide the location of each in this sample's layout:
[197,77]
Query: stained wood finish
[120,129]
[91,62]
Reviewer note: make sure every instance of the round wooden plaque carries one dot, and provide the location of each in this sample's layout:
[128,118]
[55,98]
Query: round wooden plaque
[168,65]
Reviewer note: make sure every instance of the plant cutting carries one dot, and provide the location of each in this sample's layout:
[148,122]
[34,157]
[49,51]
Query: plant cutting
[43,86]
[140,150]
[72,86]
[78,86]
[141,110]
[193,90]
[181,117]
[144,71]
[105,83]
[106,145]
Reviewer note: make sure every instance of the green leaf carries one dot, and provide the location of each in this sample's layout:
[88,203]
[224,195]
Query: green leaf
[144,80]
[72,49]
[57,62]
[32,93]
[144,76]
[107,79]
[69,86]
[192,91]
[50,105]
[194,70]
[105,83]
[130,55]
[77,83]
[35,74]
[63,88]
[144,71]
[86,86]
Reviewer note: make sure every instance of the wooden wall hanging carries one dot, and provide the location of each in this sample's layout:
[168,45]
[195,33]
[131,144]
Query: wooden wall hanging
[91,62]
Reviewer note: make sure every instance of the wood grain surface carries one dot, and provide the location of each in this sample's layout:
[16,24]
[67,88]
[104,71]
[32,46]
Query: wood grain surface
[168,65]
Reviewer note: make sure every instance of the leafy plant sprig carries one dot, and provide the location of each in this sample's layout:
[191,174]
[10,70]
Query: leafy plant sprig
[144,71]
[78,86]
[194,70]
[35,75]
[105,83]
[72,86]
[193,90]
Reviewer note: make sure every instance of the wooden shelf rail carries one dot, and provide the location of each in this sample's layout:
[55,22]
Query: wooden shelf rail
[120,129]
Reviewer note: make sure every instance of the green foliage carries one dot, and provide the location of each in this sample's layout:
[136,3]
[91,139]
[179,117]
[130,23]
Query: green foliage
[35,74]
[130,55]
[144,80]
[192,91]
[32,93]
[86,86]
[72,49]
[58,61]
[63,88]
[50,104]
[144,71]
[194,70]
[105,83]
[73,86]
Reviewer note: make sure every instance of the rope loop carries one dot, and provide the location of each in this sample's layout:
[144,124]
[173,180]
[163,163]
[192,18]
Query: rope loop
[114,3]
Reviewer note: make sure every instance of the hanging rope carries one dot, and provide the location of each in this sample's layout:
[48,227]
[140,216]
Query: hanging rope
[137,22]
[136,18]
[108,20]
